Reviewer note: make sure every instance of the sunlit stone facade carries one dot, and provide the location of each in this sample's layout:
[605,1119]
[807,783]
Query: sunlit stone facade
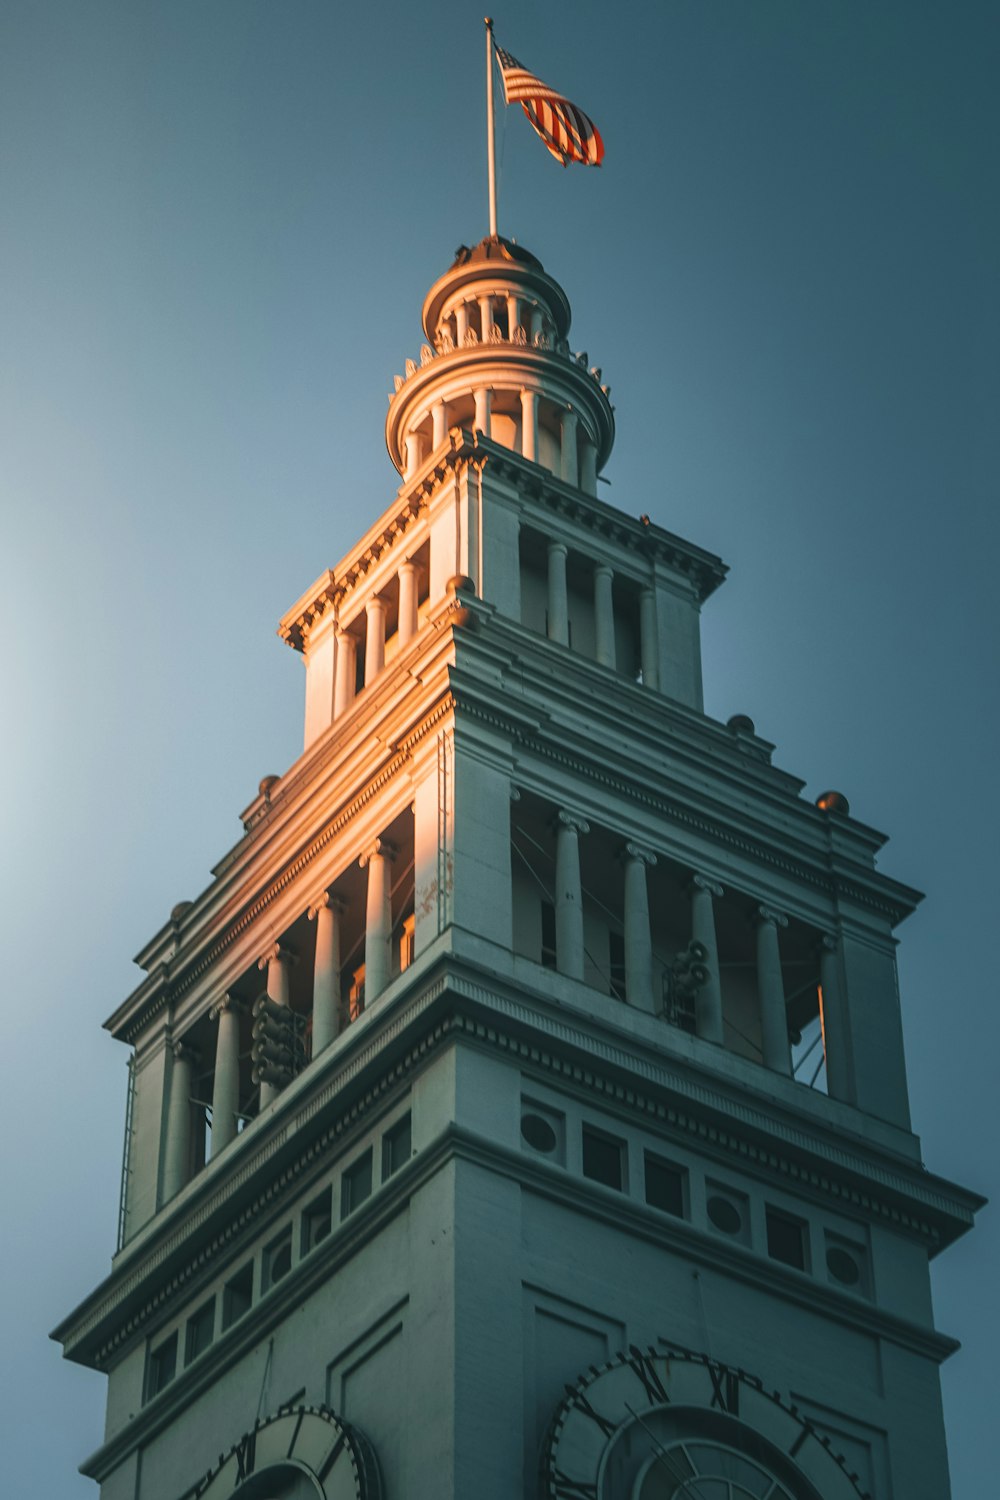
[576,1161]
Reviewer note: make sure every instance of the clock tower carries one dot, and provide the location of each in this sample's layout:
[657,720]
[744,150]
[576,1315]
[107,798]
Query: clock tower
[521,1110]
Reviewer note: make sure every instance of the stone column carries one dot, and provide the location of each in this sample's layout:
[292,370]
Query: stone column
[771,992]
[536,322]
[439,420]
[588,464]
[513,314]
[558,625]
[708,1003]
[834,1020]
[411,445]
[378,918]
[461,323]
[569,896]
[604,614]
[529,425]
[407,576]
[226,1085]
[649,648]
[277,962]
[326,971]
[346,672]
[374,639]
[486,317]
[177,1152]
[570,466]
[481,420]
[638,940]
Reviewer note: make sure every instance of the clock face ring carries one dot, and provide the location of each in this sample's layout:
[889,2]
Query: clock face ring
[674,1425]
[298,1453]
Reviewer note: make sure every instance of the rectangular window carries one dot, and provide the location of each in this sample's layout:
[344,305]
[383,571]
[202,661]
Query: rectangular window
[317,1221]
[277,1261]
[395,1147]
[786,1239]
[162,1366]
[237,1295]
[665,1186]
[200,1331]
[602,1158]
[356,1184]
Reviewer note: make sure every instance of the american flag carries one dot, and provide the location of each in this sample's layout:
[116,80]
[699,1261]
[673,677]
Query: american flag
[565,129]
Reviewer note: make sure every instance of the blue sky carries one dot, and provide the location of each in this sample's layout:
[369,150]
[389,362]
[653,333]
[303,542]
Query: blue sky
[218,219]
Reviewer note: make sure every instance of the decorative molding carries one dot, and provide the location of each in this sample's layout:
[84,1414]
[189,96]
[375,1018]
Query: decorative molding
[658,1089]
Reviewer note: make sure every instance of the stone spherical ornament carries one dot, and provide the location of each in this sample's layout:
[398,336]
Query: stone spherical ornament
[300,1453]
[651,1425]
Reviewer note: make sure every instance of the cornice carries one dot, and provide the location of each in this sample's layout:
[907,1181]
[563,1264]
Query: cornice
[551,673]
[696,740]
[450,997]
[173,979]
[333,586]
[537,486]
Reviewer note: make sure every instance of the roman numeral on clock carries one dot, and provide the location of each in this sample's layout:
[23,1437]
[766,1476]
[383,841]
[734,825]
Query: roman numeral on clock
[331,1458]
[581,1404]
[644,1366]
[725,1389]
[572,1489]
[246,1456]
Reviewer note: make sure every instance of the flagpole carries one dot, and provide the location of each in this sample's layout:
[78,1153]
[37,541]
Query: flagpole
[491,148]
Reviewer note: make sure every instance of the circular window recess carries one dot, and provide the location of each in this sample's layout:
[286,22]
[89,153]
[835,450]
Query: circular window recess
[538,1133]
[725,1215]
[842,1266]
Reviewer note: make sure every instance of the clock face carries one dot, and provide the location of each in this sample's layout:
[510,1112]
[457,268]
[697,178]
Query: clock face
[651,1425]
[300,1453]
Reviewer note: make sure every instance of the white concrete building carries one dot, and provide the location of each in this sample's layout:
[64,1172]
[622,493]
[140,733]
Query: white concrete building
[575,1158]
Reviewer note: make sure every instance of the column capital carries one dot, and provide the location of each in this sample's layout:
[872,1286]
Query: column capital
[375,602]
[278,952]
[556,547]
[515,793]
[570,820]
[768,914]
[224,1003]
[826,943]
[325,899]
[701,882]
[184,1052]
[381,848]
[603,569]
[636,851]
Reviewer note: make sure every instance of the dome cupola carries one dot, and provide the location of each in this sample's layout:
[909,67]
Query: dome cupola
[497,360]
